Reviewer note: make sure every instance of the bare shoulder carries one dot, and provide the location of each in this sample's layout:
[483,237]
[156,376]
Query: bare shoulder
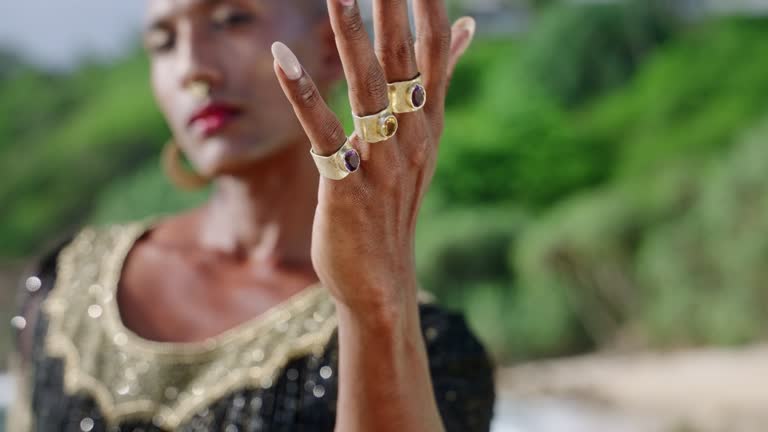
[157,252]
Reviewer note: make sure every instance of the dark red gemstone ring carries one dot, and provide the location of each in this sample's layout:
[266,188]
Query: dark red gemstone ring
[340,164]
[418,96]
[407,96]
[351,160]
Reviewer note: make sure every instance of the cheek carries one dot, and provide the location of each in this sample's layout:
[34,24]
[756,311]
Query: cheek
[163,86]
[251,69]
[250,61]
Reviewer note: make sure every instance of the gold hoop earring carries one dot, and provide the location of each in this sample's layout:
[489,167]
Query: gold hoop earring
[181,177]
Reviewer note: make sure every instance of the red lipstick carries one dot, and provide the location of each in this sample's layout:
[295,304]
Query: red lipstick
[213,117]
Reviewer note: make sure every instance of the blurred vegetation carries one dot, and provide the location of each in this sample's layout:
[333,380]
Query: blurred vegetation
[597,184]
[64,139]
[577,53]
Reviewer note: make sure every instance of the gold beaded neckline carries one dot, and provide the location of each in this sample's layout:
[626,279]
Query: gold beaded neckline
[132,377]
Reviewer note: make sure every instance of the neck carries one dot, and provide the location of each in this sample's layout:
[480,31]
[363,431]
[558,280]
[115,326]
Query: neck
[265,214]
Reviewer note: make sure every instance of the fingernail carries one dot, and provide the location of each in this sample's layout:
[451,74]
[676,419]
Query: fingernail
[286,60]
[465,31]
[347,3]
[468,25]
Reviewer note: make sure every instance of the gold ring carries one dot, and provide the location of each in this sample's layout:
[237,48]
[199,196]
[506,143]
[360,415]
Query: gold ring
[376,127]
[407,96]
[340,164]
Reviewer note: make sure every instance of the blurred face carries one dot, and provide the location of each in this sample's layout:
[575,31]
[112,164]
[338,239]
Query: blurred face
[224,46]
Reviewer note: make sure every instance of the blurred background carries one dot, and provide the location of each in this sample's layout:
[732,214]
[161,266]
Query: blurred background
[599,211]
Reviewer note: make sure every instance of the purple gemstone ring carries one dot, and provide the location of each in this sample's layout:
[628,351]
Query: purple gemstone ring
[340,164]
[407,96]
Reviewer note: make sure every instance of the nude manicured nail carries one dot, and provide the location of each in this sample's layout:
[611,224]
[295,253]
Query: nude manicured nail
[347,3]
[286,60]
[468,26]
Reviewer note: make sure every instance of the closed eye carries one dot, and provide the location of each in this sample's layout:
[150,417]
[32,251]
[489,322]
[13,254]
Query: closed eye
[227,16]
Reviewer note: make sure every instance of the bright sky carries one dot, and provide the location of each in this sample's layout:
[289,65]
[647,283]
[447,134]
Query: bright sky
[58,32]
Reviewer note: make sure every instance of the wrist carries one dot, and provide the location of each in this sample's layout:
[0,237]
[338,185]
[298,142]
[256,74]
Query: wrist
[392,314]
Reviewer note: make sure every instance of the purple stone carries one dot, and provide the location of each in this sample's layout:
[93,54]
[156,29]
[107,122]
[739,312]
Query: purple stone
[418,96]
[352,160]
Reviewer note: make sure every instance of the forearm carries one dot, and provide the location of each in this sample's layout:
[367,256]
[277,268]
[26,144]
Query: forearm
[384,381]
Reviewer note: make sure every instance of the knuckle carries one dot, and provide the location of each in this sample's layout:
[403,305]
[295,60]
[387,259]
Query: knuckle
[421,151]
[371,85]
[375,84]
[397,53]
[308,94]
[391,184]
[418,157]
[352,26]
[438,42]
[334,131]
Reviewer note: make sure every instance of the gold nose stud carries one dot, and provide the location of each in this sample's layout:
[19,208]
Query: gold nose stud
[199,89]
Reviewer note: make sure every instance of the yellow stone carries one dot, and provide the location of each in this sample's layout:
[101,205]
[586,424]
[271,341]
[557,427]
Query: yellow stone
[389,126]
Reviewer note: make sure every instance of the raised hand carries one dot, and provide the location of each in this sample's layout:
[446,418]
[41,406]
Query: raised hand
[370,192]
[363,232]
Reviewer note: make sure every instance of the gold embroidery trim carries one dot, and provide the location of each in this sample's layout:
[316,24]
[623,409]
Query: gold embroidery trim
[134,378]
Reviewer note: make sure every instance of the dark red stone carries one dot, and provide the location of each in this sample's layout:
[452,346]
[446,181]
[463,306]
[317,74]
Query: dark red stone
[418,96]
[352,160]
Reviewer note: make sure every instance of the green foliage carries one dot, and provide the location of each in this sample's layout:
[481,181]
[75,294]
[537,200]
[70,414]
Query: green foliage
[55,170]
[692,98]
[461,256]
[677,261]
[582,250]
[719,250]
[578,52]
[459,245]
[145,193]
[11,64]
[521,141]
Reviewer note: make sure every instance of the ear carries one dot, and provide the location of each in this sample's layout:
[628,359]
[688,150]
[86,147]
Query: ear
[330,70]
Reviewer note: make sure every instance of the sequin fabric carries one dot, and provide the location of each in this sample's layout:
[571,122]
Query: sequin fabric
[83,371]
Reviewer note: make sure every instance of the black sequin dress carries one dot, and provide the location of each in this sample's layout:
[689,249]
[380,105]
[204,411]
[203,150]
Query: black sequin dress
[81,370]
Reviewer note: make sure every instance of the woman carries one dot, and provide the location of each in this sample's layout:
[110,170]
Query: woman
[289,301]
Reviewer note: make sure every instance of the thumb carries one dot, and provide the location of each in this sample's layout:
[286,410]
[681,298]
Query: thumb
[462,33]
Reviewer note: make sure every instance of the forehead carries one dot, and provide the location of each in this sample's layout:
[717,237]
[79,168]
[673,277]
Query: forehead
[163,9]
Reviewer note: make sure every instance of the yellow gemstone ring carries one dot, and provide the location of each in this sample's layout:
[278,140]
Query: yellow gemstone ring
[340,164]
[407,96]
[376,127]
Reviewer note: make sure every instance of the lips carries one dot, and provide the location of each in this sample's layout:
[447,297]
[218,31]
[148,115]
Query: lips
[212,118]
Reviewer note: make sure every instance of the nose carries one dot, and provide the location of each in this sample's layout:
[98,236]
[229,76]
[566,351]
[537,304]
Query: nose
[197,59]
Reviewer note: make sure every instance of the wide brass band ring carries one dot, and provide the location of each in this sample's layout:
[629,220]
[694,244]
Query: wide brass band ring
[376,127]
[407,96]
[340,164]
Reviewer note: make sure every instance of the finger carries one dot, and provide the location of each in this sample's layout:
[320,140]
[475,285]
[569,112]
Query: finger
[462,33]
[324,130]
[433,39]
[365,77]
[394,40]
